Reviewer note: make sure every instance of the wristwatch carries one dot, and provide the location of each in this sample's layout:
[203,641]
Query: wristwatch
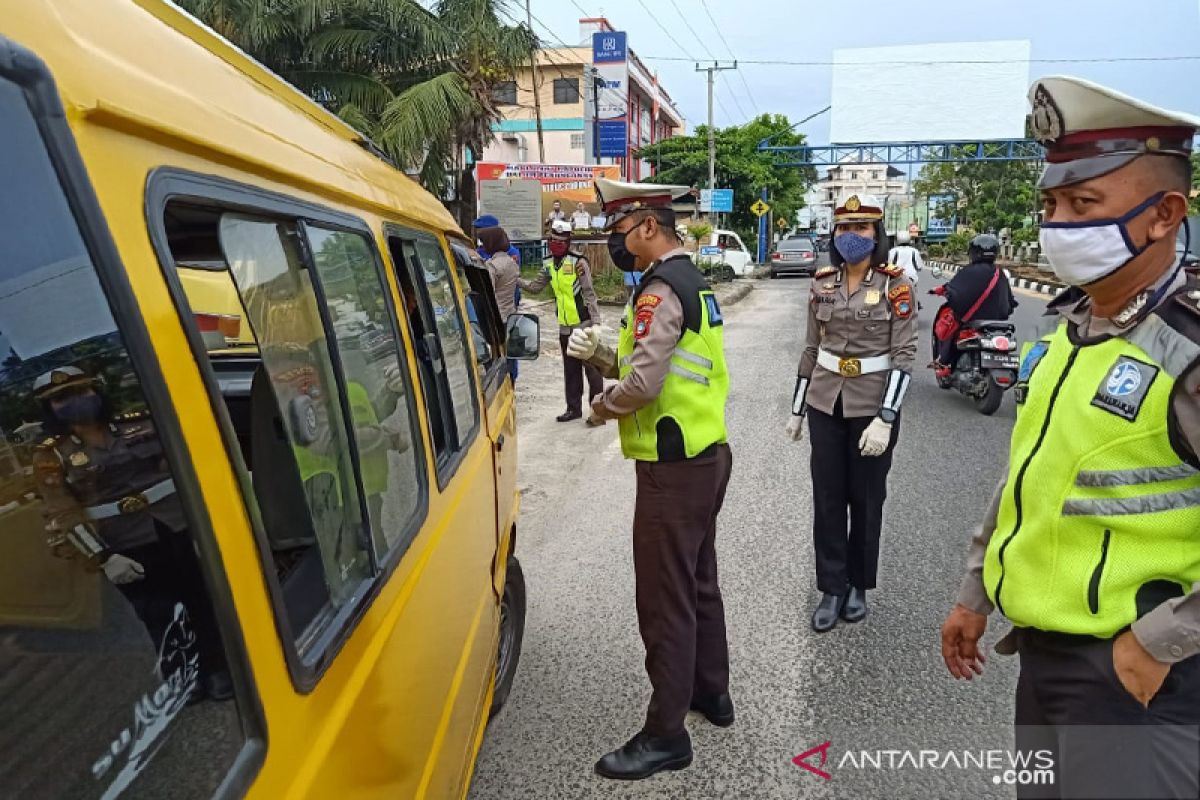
[887,415]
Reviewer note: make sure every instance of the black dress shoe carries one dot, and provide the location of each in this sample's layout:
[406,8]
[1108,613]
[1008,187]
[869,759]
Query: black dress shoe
[717,710]
[644,755]
[855,609]
[569,416]
[826,616]
[218,686]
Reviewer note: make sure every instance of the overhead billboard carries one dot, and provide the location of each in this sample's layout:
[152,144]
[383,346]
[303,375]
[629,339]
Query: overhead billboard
[610,55]
[504,191]
[943,216]
[930,92]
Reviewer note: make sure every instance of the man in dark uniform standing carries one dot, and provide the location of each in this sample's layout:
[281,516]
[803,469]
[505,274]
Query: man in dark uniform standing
[1090,546]
[110,500]
[670,407]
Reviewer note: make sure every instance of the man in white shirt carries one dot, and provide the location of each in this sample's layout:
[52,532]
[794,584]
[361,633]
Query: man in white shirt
[906,256]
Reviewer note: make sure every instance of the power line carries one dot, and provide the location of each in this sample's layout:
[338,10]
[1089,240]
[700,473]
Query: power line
[734,97]
[675,41]
[581,9]
[784,63]
[728,49]
[695,35]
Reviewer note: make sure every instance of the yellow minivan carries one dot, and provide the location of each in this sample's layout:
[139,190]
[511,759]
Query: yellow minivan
[258,489]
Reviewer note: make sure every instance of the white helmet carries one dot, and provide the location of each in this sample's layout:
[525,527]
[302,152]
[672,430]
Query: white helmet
[903,237]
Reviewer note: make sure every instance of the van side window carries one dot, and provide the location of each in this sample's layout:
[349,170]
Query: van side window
[483,314]
[376,383]
[306,353]
[302,467]
[442,350]
[114,676]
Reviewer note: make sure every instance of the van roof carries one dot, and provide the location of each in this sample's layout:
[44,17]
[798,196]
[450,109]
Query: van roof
[150,69]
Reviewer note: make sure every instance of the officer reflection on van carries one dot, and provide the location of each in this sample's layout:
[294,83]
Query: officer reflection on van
[110,501]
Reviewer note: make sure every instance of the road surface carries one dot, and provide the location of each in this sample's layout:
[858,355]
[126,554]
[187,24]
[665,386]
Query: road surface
[879,685]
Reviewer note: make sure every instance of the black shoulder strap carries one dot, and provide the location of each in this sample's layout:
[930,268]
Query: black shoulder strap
[686,281]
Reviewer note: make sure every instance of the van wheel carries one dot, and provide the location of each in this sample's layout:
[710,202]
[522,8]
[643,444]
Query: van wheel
[512,632]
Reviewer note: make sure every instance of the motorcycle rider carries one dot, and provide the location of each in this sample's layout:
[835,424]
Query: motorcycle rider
[906,256]
[979,291]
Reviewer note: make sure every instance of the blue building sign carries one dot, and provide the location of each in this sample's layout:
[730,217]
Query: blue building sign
[938,226]
[722,201]
[608,46]
[612,136]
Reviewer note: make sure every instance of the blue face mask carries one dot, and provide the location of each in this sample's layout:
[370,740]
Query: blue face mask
[80,410]
[853,247]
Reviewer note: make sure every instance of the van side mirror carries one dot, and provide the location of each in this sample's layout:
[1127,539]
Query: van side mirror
[523,337]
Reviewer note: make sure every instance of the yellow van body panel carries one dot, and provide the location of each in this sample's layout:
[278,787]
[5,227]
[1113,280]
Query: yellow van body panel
[401,709]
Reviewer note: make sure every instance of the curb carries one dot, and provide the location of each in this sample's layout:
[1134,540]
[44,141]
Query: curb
[1017,283]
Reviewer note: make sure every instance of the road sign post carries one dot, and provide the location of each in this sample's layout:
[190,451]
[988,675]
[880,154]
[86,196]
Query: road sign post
[760,208]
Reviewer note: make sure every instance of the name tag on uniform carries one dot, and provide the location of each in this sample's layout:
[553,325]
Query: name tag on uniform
[1124,389]
[873,297]
[714,310]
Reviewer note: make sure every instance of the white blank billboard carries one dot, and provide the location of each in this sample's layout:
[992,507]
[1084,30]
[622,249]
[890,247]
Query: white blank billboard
[961,90]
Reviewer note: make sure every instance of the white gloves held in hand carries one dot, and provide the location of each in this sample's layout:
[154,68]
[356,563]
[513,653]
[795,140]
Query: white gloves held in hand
[875,438]
[583,343]
[122,569]
[795,427]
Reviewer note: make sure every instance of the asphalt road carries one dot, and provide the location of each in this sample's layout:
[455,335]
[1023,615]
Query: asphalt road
[879,685]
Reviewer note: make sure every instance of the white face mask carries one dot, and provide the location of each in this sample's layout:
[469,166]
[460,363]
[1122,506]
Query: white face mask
[1084,252]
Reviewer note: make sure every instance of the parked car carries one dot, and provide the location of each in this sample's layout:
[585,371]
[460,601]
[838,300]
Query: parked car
[794,257]
[723,247]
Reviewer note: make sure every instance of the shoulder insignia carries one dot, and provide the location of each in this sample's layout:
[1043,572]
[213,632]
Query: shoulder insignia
[651,300]
[891,270]
[902,300]
[825,272]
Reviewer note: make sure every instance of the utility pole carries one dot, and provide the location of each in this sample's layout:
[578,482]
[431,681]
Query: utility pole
[712,141]
[537,101]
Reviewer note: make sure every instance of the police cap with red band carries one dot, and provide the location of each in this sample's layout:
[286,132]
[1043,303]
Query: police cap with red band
[1090,130]
[620,199]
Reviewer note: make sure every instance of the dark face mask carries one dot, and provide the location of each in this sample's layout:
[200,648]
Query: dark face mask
[80,409]
[621,255]
[558,248]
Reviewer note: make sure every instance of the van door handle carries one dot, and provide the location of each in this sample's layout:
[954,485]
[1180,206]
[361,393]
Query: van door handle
[500,443]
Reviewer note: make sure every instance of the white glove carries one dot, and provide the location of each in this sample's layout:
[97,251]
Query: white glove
[583,343]
[795,427]
[875,438]
[122,569]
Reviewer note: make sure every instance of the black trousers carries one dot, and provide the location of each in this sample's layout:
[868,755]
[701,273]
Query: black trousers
[680,613]
[573,372]
[1105,744]
[848,493]
[172,577]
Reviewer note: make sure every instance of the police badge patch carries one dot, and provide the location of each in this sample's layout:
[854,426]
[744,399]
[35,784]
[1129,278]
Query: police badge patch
[1125,387]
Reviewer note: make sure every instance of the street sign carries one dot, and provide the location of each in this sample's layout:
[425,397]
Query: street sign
[781,222]
[717,201]
[710,250]
[759,208]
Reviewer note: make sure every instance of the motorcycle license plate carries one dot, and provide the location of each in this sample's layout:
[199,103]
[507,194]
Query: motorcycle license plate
[1001,361]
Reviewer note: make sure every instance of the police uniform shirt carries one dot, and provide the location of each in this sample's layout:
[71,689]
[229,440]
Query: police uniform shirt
[132,462]
[660,321]
[879,319]
[1171,632]
[583,283]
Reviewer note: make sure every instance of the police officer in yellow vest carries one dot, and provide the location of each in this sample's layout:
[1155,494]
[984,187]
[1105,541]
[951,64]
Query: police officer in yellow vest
[570,275]
[670,408]
[1091,546]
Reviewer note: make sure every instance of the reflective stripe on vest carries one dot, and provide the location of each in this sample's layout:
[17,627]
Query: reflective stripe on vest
[693,394]
[1097,519]
[563,280]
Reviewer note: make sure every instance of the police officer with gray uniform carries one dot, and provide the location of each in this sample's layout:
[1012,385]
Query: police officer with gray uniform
[852,379]
[1091,545]
[109,499]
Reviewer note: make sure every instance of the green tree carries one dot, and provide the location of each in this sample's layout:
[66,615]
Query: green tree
[991,194]
[740,166]
[1194,204]
[418,83]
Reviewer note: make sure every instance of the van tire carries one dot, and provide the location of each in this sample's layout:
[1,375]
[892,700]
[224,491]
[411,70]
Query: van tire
[512,633]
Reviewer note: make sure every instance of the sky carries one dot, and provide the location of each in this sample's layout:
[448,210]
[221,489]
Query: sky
[801,30]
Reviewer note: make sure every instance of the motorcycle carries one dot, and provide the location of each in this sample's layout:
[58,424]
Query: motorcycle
[987,364]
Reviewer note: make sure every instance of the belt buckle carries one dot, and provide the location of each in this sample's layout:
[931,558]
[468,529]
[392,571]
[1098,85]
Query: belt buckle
[850,367]
[133,503]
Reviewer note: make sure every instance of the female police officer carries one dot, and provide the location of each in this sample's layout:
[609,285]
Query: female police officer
[856,367]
